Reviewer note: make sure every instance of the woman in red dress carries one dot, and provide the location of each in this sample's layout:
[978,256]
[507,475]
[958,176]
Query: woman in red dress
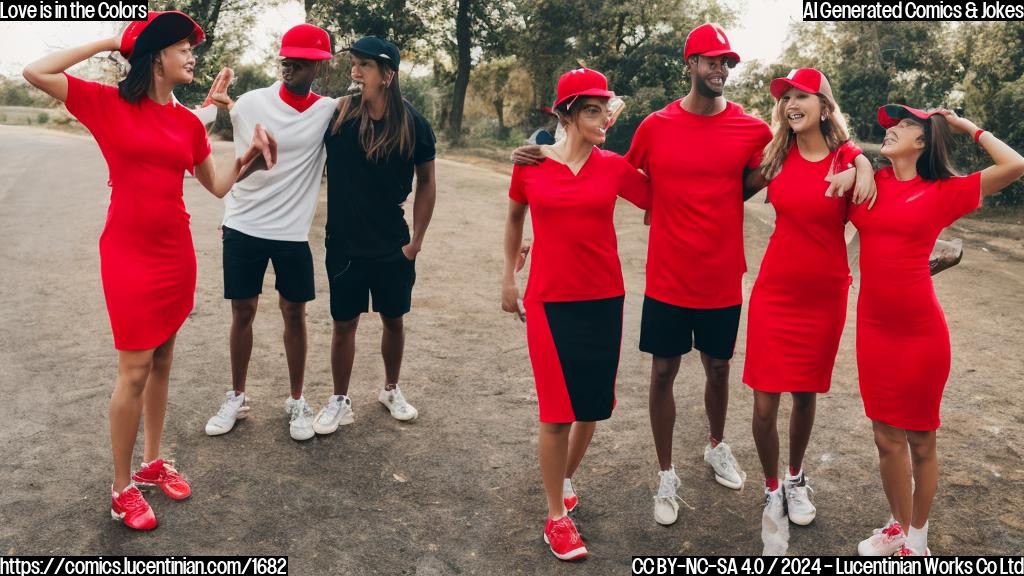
[147,260]
[575,293]
[903,353]
[798,304]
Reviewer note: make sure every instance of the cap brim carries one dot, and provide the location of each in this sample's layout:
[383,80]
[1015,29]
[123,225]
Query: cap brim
[165,30]
[378,57]
[713,53]
[779,86]
[595,92]
[891,114]
[304,53]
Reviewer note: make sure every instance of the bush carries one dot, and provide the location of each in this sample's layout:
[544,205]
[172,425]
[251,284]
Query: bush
[42,118]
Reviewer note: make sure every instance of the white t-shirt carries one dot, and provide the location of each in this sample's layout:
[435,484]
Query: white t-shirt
[279,204]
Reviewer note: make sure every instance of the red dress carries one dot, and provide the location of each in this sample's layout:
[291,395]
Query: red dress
[147,260]
[903,352]
[798,304]
[575,291]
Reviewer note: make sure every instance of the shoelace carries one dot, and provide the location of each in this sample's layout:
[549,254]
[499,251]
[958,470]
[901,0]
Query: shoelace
[300,408]
[398,401]
[226,407]
[562,527]
[890,532]
[131,499]
[331,411]
[667,488]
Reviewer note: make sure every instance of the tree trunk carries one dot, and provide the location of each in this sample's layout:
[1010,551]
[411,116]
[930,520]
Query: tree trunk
[499,109]
[309,11]
[463,39]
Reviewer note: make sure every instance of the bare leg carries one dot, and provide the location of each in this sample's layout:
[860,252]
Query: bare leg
[894,465]
[552,448]
[716,394]
[662,406]
[392,344]
[126,409]
[579,440]
[343,353]
[294,315]
[766,431]
[243,312]
[926,474]
[801,422]
[154,400]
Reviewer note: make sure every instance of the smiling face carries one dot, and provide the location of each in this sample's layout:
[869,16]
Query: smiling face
[710,73]
[800,110]
[176,63]
[906,138]
[298,74]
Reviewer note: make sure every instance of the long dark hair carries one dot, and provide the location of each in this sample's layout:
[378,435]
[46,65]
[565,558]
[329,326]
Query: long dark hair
[139,78]
[398,133]
[936,162]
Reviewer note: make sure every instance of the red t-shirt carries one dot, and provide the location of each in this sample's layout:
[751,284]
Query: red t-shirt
[695,164]
[575,252]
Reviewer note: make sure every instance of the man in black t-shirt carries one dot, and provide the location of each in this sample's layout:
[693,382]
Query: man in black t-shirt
[376,143]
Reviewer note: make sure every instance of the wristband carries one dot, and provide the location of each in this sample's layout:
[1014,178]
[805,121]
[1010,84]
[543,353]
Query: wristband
[977,135]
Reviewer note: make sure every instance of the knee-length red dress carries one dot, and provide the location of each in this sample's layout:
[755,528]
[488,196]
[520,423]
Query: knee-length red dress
[798,304]
[147,260]
[903,354]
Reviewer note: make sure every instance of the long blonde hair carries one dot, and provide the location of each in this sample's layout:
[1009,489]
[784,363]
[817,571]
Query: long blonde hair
[399,133]
[833,128]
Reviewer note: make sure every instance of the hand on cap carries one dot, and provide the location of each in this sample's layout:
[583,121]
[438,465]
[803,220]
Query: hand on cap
[957,124]
[115,40]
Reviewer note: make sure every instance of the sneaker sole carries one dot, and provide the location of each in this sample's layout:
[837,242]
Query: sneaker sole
[802,520]
[243,413]
[118,518]
[568,556]
[866,550]
[728,484]
[325,430]
[147,486]
[659,521]
[392,414]
[302,436]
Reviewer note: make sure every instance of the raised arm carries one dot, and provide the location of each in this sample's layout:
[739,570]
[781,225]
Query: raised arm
[422,207]
[513,247]
[47,73]
[1009,164]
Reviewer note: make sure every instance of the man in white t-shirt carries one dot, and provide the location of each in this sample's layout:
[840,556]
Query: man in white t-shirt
[267,218]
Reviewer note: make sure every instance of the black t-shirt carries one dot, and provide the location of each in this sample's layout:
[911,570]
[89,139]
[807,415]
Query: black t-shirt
[365,219]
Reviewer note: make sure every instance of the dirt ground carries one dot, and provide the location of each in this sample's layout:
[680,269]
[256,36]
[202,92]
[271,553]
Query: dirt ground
[458,491]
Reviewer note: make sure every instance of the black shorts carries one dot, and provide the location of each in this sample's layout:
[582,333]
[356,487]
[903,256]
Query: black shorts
[389,280]
[668,331]
[245,263]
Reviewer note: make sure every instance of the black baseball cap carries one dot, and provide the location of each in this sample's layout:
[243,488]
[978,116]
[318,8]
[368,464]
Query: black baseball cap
[377,48]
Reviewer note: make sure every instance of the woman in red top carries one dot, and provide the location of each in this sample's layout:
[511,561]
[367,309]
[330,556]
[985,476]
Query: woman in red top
[903,354]
[575,292]
[798,304]
[147,259]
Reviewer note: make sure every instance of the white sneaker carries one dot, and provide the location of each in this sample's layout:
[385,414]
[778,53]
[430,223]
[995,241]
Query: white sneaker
[234,408]
[337,412]
[798,500]
[908,551]
[300,423]
[774,525]
[883,541]
[395,402]
[727,470]
[666,509]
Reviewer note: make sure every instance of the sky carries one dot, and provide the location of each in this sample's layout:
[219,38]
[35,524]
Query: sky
[759,35]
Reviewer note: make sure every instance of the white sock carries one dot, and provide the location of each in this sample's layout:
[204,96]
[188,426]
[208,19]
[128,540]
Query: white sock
[338,397]
[793,478]
[917,539]
[567,488]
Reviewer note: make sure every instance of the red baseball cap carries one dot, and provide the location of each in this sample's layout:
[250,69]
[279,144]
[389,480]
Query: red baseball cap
[158,31]
[891,114]
[708,40]
[582,82]
[810,80]
[307,42]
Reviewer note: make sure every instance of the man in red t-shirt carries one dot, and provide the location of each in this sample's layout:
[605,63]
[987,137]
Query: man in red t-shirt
[696,151]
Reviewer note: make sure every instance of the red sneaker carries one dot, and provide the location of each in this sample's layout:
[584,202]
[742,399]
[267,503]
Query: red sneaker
[131,508]
[564,539]
[161,473]
[571,502]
